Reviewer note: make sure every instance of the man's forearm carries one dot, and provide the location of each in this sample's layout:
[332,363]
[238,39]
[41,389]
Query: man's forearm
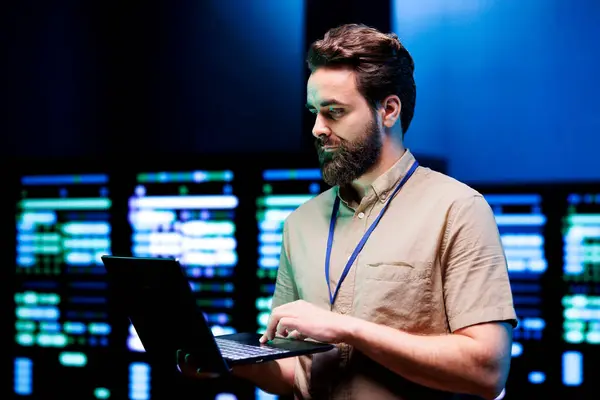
[454,363]
[275,377]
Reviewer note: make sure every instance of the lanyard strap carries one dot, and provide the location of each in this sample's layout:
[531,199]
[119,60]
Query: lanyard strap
[336,207]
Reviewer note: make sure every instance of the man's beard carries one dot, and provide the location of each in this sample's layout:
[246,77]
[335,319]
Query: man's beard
[350,160]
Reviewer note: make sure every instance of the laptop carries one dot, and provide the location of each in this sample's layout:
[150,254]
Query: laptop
[156,296]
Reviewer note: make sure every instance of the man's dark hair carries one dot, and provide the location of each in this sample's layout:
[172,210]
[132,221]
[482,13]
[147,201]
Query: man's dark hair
[382,64]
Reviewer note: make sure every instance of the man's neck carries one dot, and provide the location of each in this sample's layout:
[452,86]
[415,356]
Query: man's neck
[391,152]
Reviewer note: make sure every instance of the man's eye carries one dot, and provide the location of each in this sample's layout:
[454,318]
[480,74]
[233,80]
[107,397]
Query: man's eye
[336,112]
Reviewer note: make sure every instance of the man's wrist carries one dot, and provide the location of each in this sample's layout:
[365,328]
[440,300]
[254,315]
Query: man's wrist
[350,329]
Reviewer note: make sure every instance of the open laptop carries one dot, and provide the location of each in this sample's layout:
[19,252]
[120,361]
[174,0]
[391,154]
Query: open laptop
[156,296]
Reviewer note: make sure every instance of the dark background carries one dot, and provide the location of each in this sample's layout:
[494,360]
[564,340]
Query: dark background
[506,95]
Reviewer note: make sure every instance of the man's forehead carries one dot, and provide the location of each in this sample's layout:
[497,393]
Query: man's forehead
[325,84]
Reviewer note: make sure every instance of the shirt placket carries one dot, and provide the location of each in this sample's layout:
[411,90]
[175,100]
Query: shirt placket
[356,229]
[350,234]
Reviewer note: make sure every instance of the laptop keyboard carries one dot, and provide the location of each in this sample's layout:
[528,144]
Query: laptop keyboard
[237,351]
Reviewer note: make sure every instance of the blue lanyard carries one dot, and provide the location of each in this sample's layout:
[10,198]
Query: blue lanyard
[336,207]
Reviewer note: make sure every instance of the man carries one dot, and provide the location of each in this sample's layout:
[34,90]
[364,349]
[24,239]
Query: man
[400,266]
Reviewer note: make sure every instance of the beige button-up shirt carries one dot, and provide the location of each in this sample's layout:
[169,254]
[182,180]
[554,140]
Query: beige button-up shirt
[433,264]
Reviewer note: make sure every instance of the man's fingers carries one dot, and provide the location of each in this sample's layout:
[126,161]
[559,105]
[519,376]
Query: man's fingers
[180,357]
[287,324]
[187,366]
[296,335]
[274,320]
[281,329]
[206,375]
[183,364]
[264,339]
[272,326]
[186,370]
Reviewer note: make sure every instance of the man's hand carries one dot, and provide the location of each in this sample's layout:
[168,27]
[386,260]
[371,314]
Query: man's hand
[302,319]
[188,367]
[275,377]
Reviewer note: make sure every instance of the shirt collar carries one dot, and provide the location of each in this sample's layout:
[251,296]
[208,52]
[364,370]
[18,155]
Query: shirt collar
[384,183]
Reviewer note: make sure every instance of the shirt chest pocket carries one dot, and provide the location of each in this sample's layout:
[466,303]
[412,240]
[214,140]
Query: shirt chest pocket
[394,293]
[396,271]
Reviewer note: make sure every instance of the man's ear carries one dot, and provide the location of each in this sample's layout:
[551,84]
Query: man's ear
[390,110]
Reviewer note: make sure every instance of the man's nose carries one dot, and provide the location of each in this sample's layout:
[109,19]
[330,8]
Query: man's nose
[320,128]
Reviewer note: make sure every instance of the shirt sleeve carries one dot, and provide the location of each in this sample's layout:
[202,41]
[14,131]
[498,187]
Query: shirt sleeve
[285,286]
[475,273]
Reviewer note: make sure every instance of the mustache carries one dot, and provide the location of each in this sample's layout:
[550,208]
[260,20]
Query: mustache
[324,141]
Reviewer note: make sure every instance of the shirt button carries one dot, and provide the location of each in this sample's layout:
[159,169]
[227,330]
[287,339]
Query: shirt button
[361,215]
[383,196]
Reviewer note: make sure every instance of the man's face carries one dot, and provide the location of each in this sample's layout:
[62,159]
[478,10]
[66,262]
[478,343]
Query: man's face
[348,136]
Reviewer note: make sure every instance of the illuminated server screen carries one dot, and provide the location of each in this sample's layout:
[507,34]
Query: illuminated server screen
[62,328]
[190,216]
[282,192]
[581,273]
[521,223]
